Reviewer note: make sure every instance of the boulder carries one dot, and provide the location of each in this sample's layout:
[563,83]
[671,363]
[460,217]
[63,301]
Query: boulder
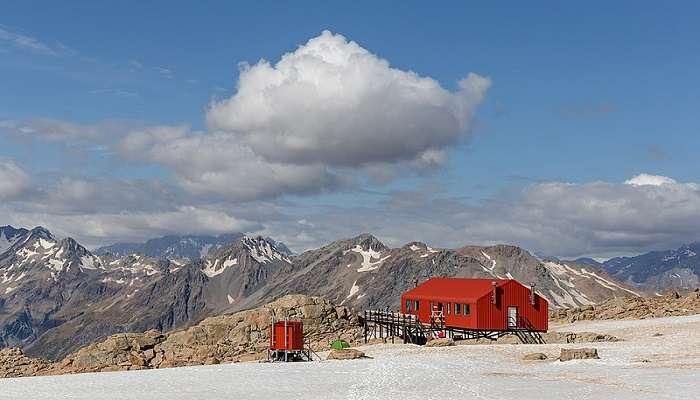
[345,354]
[535,357]
[440,342]
[578,354]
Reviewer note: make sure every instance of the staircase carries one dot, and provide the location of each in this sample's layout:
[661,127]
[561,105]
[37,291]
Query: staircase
[526,332]
[530,337]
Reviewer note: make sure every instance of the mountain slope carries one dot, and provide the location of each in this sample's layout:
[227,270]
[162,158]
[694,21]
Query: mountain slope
[659,270]
[56,296]
[362,272]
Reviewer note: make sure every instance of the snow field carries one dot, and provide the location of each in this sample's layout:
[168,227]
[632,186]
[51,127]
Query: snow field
[412,372]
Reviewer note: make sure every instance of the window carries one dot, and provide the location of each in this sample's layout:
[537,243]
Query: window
[408,306]
[458,308]
[449,307]
[416,304]
[466,309]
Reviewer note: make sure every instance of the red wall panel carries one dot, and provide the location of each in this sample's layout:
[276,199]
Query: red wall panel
[295,336]
[484,314]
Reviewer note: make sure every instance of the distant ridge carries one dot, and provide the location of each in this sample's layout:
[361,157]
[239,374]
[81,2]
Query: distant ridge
[172,246]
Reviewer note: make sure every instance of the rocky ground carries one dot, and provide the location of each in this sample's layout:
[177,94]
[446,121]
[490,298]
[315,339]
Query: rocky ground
[242,336]
[674,303]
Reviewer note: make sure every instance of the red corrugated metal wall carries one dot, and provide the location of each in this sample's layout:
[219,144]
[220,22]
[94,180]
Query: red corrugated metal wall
[483,314]
[451,319]
[495,316]
[295,336]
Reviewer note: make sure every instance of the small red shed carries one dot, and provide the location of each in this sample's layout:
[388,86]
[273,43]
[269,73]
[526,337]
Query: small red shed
[478,304]
[287,335]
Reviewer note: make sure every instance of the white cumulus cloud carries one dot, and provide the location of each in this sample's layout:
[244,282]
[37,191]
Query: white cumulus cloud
[322,117]
[650,180]
[13,180]
[334,102]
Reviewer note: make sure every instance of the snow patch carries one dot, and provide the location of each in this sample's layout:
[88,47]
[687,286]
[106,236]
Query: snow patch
[230,299]
[212,270]
[353,290]
[367,256]
[46,244]
[88,262]
[230,263]
[56,264]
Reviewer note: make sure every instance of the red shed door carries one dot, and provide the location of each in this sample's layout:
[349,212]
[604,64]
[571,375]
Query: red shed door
[512,317]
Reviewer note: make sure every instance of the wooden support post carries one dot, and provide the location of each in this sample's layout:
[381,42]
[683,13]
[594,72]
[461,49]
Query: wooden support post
[365,326]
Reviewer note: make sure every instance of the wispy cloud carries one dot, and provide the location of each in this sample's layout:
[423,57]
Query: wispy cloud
[125,94]
[31,44]
[134,64]
[165,72]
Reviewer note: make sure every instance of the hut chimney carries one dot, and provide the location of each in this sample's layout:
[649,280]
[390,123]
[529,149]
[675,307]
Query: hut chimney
[532,293]
[493,292]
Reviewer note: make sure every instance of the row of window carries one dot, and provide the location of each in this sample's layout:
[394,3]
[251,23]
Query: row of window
[459,308]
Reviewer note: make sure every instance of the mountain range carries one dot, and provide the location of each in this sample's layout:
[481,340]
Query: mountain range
[173,246]
[656,270]
[56,296]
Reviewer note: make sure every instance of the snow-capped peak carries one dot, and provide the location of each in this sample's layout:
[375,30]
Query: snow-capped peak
[262,250]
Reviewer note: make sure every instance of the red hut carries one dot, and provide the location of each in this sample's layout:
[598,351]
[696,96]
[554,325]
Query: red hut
[287,341]
[287,335]
[477,304]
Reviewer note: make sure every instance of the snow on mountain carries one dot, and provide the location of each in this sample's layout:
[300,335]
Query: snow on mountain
[263,250]
[659,270]
[563,284]
[217,267]
[367,256]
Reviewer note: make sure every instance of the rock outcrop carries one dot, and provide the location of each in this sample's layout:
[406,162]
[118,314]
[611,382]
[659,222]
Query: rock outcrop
[440,342]
[535,357]
[671,304]
[13,364]
[345,354]
[242,336]
[549,338]
[578,354]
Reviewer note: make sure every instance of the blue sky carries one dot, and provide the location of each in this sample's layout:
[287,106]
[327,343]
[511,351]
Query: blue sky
[596,92]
